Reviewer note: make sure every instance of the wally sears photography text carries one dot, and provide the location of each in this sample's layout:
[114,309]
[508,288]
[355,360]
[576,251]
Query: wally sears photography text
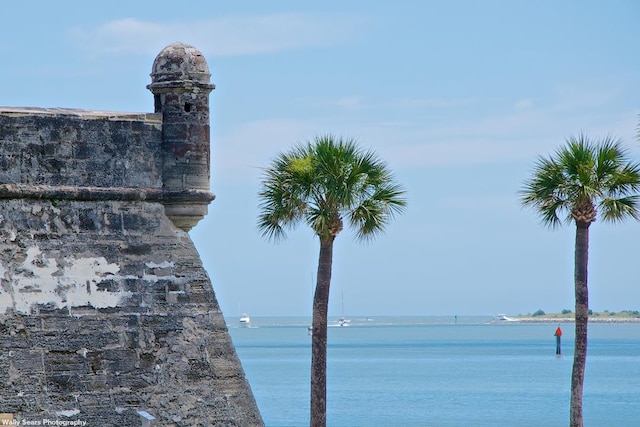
[43,422]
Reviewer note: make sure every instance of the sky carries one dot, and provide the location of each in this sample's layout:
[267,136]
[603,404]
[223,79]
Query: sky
[458,97]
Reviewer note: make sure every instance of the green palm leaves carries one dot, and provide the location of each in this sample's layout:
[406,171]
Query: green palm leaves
[584,178]
[323,183]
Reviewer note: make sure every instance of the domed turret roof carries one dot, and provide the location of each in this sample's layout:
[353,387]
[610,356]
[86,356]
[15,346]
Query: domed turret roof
[177,63]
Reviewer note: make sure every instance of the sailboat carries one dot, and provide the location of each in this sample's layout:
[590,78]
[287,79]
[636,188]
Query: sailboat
[343,321]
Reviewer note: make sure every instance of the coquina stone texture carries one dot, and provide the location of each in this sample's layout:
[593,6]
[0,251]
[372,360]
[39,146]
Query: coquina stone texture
[107,316]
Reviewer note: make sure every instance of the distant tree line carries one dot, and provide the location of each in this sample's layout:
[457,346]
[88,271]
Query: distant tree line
[605,313]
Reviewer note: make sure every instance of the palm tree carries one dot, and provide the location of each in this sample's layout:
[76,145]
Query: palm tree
[584,178]
[323,183]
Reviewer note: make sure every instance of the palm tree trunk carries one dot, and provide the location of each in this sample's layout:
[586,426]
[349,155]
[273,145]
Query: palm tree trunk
[319,335]
[581,322]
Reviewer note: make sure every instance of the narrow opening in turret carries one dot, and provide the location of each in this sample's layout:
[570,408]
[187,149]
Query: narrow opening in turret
[157,104]
[187,107]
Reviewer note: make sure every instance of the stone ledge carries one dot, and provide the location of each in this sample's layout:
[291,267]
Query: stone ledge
[44,192]
[155,118]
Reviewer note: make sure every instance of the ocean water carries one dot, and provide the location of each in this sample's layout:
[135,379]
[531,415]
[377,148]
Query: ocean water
[433,372]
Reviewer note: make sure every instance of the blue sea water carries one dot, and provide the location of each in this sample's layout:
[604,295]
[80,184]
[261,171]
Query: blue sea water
[433,372]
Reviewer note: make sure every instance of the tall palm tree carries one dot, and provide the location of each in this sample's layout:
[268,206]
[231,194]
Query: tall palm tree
[323,183]
[584,178]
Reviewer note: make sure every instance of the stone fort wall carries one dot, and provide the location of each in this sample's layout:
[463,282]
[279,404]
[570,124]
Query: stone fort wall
[65,147]
[107,315]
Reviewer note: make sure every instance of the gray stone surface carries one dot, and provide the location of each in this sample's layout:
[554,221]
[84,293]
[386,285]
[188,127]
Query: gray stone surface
[105,307]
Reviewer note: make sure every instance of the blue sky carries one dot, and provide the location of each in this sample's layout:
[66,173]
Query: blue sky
[459,97]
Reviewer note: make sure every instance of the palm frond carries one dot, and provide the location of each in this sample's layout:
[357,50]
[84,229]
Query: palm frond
[616,210]
[583,172]
[322,181]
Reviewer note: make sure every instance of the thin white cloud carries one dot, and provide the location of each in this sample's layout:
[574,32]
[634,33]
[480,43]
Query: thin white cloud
[523,104]
[487,134]
[223,36]
[493,137]
[453,152]
[250,147]
[577,98]
[406,102]
[350,102]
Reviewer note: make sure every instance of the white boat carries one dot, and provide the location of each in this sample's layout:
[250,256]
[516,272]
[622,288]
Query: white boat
[503,318]
[245,319]
[343,321]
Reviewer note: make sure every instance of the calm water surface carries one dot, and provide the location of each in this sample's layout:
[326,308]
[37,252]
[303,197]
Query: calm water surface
[432,372]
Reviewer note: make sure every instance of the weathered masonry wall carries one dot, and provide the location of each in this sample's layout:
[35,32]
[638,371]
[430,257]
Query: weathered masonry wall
[107,315]
[105,310]
[60,147]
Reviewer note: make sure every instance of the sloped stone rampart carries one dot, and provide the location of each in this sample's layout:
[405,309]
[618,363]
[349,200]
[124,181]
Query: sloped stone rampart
[105,310]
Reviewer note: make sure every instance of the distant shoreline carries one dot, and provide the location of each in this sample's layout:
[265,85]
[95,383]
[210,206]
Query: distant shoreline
[543,319]
[624,316]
